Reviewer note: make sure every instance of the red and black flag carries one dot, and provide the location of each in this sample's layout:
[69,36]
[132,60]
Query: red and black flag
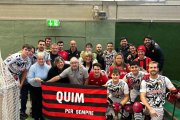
[73,102]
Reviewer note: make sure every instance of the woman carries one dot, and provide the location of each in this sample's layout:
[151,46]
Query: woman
[87,60]
[37,73]
[120,64]
[59,67]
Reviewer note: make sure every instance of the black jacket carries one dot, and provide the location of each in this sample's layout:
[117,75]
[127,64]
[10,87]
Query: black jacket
[54,71]
[156,54]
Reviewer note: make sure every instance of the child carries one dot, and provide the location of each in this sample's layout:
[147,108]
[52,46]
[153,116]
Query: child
[134,79]
[118,91]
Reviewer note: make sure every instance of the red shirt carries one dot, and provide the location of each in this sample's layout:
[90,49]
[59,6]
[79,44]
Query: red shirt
[144,63]
[64,54]
[123,72]
[101,80]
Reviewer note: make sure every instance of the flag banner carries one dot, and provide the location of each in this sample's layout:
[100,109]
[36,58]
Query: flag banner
[73,102]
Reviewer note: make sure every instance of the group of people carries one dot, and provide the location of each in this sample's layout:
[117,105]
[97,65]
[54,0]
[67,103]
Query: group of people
[126,72]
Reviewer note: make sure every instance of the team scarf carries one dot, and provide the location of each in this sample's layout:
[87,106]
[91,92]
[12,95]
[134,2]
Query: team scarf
[73,102]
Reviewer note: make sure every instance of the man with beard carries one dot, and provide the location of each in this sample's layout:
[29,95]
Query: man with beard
[99,56]
[108,55]
[124,48]
[153,91]
[154,51]
[48,42]
[41,49]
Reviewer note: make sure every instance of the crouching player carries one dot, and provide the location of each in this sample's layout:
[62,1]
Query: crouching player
[134,79]
[153,92]
[118,93]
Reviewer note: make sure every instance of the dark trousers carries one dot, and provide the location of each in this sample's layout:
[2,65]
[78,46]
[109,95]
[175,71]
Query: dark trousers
[37,103]
[26,88]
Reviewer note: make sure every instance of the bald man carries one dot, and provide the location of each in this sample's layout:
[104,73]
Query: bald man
[76,73]
[73,52]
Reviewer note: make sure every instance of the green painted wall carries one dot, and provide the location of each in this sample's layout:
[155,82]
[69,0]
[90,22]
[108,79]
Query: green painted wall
[14,33]
[165,34]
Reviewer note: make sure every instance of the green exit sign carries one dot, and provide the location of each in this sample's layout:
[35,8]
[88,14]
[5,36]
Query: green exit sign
[53,23]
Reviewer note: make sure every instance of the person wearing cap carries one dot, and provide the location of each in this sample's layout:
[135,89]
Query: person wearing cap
[124,48]
[142,59]
[154,51]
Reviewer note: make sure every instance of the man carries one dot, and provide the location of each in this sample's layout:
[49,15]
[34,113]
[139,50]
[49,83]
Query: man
[142,59]
[154,51]
[97,76]
[41,48]
[62,52]
[48,44]
[73,52]
[54,52]
[153,91]
[108,55]
[99,57]
[76,73]
[124,48]
[134,79]
[37,72]
[132,54]
[118,91]
[18,64]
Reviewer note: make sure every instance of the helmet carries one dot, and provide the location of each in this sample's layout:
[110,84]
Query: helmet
[128,108]
[141,47]
[137,107]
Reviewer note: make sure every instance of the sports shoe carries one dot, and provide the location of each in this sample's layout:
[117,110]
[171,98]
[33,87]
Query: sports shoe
[23,115]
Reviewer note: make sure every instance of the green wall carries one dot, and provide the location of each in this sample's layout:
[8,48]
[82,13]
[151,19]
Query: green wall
[165,34]
[14,33]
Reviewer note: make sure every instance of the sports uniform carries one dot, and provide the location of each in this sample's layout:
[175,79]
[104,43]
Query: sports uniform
[135,84]
[16,64]
[155,93]
[116,93]
[108,58]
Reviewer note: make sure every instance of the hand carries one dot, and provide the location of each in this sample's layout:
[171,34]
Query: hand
[128,57]
[38,79]
[153,112]
[130,82]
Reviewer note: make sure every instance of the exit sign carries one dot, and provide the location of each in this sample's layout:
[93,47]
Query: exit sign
[53,23]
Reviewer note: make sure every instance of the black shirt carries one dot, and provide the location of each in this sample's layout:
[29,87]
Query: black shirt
[54,71]
[71,54]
